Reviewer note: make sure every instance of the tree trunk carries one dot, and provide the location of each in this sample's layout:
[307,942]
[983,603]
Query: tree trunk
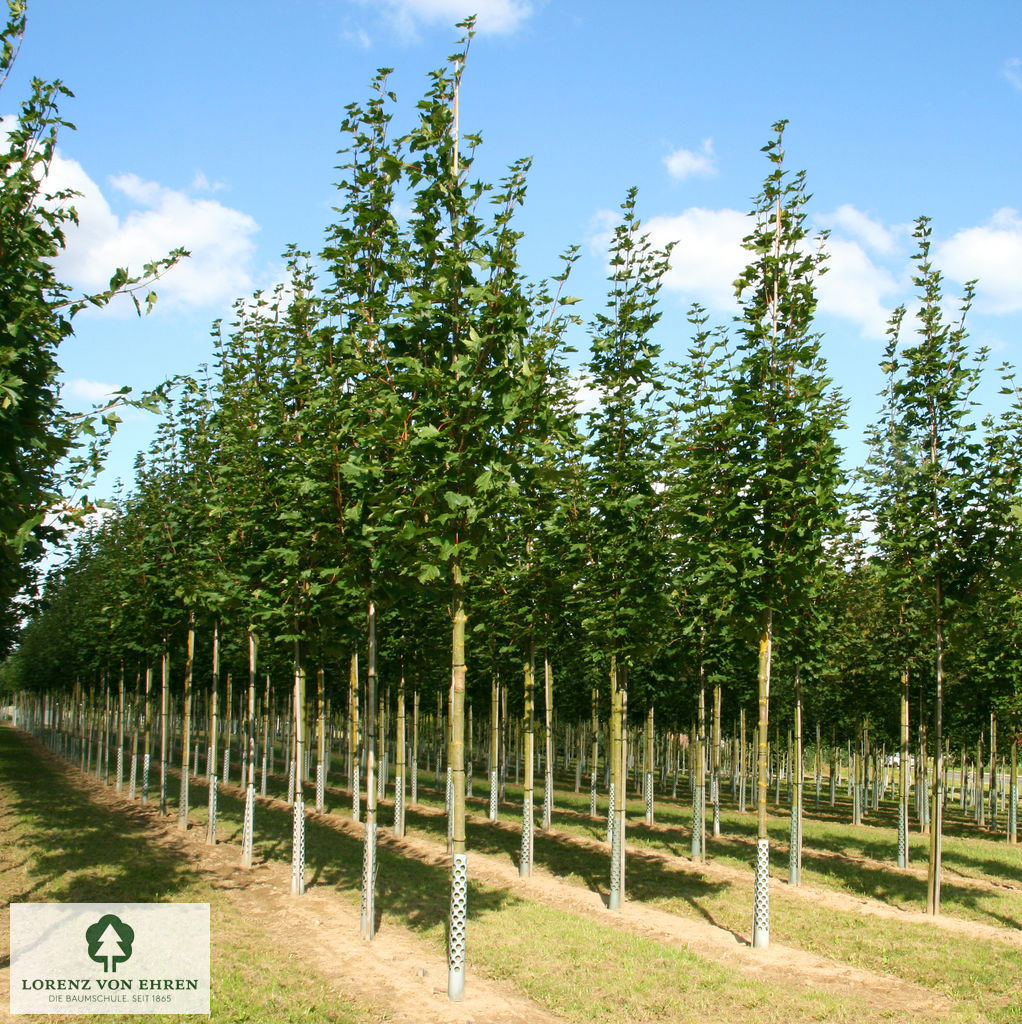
[648,757]
[937,800]
[595,705]
[548,743]
[214,725]
[353,751]
[401,758]
[456,757]
[699,768]
[494,744]
[164,725]
[368,918]
[1013,795]
[903,775]
[182,803]
[617,852]
[761,894]
[528,757]
[715,761]
[795,840]
[298,825]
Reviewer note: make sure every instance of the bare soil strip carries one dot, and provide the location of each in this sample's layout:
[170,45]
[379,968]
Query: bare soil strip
[398,972]
[829,898]
[406,978]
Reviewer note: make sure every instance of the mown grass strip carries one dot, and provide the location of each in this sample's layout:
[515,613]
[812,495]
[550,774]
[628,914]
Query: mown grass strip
[586,970]
[982,977]
[60,846]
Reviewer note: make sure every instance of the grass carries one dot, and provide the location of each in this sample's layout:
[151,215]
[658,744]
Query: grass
[59,846]
[981,976]
[586,970]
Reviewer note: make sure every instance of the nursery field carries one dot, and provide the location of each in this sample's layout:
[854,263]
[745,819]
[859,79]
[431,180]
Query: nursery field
[852,943]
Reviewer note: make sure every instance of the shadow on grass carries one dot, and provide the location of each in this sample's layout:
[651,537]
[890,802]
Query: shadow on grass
[90,852]
[408,891]
[648,877]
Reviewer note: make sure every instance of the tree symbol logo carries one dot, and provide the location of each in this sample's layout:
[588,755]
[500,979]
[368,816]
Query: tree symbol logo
[109,942]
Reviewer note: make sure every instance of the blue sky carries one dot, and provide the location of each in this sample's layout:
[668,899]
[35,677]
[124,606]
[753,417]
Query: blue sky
[214,125]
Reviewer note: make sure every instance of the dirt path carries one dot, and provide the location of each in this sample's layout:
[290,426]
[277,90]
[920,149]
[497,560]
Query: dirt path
[398,973]
[407,979]
[778,963]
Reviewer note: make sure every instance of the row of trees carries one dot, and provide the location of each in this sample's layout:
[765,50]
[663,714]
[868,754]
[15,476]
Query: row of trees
[388,457]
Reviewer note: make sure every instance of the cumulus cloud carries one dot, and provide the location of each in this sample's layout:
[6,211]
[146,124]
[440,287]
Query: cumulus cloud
[492,16]
[220,239]
[88,391]
[200,183]
[708,254]
[688,163]
[993,254]
[856,288]
[870,232]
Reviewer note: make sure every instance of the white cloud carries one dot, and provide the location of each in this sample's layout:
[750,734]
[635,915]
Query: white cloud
[492,16]
[603,224]
[358,37]
[587,398]
[870,232]
[856,288]
[219,238]
[200,183]
[708,254]
[993,254]
[1012,71]
[688,163]
[91,391]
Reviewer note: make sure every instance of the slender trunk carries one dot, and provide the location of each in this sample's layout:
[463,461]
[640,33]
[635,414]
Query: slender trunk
[903,775]
[819,763]
[456,758]
[743,770]
[353,752]
[228,727]
[649,765]
[494,744]
[595,706]
[182,803]
[795,841]
[321,740]
[548,743]
[528,735]
[415,747]
[147,740]
[715,760]
[298,824]
[617,852]
[400,762]
[120,731]
[699,767]
[369,865]
[248,820]
[1013,795]
[214,724]
[164,725]
[933,877]
[761,895]
[268,716]
[993,771]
